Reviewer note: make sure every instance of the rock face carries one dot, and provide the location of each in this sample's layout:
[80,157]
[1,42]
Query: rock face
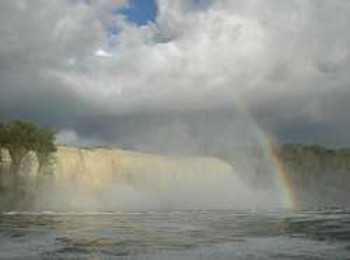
[319,177]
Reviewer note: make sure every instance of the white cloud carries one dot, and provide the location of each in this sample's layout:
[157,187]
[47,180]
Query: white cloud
[285,61]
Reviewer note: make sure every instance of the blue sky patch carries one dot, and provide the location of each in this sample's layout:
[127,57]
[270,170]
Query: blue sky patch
[140,12]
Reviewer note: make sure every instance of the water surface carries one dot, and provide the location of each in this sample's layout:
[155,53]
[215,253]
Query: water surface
[274,234]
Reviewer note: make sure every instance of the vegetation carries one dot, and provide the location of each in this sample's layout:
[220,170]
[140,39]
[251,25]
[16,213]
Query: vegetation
[19,137]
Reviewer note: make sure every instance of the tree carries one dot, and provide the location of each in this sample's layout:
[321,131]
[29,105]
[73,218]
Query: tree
[19,137]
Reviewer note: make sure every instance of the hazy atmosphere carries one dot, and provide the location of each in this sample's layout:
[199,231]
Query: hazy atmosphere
[175,129]
[133,73]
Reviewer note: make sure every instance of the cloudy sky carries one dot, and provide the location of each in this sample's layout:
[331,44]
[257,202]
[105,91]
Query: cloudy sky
[180,74]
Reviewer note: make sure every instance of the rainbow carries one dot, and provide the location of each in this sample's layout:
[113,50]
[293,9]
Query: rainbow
[280,173]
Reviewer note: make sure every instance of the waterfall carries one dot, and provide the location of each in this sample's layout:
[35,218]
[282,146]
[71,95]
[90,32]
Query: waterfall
[101,179]
[112,179]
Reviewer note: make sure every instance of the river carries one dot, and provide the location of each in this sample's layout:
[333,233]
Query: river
[229,234]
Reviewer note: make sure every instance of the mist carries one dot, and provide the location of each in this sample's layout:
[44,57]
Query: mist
[198,78]
[150,183]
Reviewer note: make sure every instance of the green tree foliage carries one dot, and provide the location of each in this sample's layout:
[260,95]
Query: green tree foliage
[19,137]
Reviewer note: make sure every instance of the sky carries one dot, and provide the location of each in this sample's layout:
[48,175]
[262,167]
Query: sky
[178,75]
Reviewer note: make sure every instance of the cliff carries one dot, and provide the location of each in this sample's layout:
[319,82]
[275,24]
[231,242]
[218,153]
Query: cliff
[319,176]
[113,179]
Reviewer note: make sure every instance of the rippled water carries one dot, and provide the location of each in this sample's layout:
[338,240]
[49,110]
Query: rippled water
[176,235]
